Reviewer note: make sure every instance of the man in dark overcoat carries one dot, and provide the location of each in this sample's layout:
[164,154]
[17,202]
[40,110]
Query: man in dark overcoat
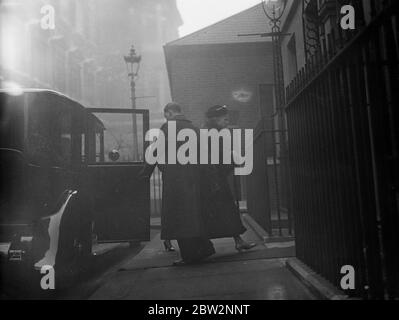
[181,217]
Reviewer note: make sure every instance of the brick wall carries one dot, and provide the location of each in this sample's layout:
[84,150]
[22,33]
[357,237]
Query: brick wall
[204,75]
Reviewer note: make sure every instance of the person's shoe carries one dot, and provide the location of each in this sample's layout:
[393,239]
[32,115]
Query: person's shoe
[180,263]
[242,245]
[196,260]
[168,246]
[206,254]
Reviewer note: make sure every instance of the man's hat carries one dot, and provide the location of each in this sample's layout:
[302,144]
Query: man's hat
[216,111]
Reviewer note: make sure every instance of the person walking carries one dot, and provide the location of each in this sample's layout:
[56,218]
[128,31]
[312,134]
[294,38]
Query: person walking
[181,217]
[220,209]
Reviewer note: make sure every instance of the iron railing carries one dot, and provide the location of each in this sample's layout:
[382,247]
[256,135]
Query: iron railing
[267,187]
[343,130]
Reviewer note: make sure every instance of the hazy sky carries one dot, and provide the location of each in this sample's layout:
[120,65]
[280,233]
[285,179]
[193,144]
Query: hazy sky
[198,14]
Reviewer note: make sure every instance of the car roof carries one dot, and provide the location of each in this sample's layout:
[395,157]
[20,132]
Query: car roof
[27,90]
[23,91]
[68,99]
[36,90]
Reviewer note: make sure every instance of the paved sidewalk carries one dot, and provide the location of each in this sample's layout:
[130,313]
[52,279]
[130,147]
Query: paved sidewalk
[256,275]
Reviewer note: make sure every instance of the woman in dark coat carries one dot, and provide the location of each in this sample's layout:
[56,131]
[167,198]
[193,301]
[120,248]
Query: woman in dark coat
[219,206]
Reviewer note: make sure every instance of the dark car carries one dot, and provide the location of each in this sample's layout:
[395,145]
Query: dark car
[59,190]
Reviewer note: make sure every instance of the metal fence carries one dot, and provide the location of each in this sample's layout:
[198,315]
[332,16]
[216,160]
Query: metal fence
[343,122]
[267,187]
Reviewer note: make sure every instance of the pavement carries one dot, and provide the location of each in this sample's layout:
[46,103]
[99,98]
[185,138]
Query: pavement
[259,274]
[103,248]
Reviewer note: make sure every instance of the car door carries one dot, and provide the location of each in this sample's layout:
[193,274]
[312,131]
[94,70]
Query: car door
[115,145]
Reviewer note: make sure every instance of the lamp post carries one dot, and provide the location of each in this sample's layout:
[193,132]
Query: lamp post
[133,66]
[274,10]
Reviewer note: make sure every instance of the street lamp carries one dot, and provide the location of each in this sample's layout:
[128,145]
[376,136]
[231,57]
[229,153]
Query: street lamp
[274,9]
[133,66]
[132,62]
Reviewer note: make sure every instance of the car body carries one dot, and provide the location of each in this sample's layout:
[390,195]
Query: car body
[56,185]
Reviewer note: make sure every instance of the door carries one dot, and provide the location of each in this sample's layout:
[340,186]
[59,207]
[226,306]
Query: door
[115,144]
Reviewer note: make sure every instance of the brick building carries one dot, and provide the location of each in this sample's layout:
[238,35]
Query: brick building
[83,56]
[217,66]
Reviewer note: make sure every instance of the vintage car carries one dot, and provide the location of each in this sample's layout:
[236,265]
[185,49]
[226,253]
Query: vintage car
[67,178]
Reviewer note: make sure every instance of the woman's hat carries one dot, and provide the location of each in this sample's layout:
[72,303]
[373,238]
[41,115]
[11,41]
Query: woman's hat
[216,111]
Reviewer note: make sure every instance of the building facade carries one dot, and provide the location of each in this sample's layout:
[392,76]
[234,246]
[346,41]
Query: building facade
[83,55]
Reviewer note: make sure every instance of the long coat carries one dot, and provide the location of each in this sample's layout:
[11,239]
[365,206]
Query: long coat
[219,208]
[181,202]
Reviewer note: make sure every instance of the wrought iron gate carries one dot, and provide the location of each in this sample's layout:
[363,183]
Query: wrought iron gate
[268,187]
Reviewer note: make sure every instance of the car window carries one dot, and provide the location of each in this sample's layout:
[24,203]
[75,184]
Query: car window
[11,122]
[49,132]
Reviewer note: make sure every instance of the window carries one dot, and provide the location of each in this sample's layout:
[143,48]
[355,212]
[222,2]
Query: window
[11,122]
[111,134]
[59,78]
[74,73]
[49,136]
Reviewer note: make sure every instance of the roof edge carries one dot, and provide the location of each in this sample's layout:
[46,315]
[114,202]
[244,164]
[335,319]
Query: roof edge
[171,43]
